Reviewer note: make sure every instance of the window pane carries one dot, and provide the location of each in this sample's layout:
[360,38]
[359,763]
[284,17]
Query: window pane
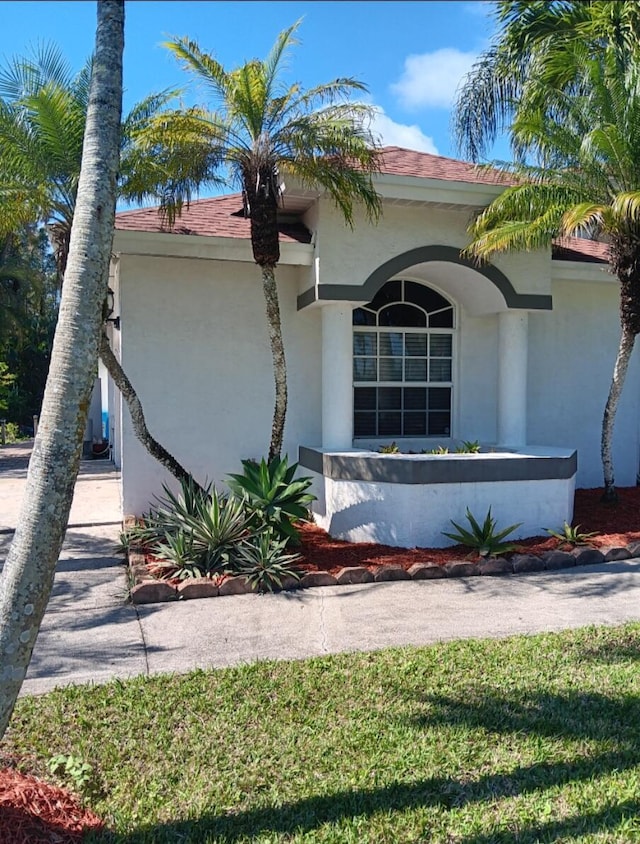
[439,424]
[415,369]
[444,319]
[402,315]
[365,343]
[424,296]
[390,369]
[390,292]
[390,424]
[415,345]
[440,345]
[389,398]
[364,424]
[364,369]
[440,398]
[364,398]
[415,398]
[415,424]
[391,343]
[440,370]
[363,317]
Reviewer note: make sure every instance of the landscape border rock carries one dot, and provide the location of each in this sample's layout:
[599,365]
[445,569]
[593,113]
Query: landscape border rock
[147,590]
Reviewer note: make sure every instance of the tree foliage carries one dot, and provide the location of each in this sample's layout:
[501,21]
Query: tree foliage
[565,76]
[257,132]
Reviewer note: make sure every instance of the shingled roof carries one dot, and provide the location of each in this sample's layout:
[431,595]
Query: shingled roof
[221,216]
[580,249]
[396,161]
[218,216]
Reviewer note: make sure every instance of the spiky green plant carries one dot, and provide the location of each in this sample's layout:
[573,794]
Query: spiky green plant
[571,534]
[483,538]
[263,560]
[274,495]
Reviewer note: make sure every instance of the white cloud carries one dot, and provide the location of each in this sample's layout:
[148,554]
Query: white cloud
[432,79]
[400,134]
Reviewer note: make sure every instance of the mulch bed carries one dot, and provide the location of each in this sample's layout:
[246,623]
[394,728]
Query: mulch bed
[617,525]
[36,812]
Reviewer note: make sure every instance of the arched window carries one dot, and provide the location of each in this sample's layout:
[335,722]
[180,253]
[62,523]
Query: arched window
[403,363]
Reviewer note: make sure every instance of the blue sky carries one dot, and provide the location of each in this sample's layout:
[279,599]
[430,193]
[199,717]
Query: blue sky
[412,55]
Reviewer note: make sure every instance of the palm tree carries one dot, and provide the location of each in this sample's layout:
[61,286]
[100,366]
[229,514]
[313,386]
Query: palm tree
[585,143]
[260,130]
[43,112]
[537,42]
[27,576]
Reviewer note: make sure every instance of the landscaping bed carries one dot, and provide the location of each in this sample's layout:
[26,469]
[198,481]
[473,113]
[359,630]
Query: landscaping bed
[325,561]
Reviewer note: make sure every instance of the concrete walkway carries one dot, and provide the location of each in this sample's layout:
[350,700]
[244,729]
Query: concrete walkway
[90,634]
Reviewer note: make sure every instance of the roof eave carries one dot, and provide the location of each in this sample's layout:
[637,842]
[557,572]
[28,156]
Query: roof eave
[437,191]
[203,247]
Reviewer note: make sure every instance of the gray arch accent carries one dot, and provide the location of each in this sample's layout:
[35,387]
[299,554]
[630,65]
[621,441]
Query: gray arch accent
[422,255]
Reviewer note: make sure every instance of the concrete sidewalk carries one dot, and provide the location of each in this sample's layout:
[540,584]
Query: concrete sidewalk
[90,634]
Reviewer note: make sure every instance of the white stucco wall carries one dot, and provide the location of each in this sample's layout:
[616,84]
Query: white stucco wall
[572,351]
[366,247]
[195,345]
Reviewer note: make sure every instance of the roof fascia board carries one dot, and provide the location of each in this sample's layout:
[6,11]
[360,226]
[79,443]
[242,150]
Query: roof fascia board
[168,245]
[581,271]
[437,190]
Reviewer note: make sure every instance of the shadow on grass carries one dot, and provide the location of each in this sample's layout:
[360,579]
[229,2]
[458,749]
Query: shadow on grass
[581,718]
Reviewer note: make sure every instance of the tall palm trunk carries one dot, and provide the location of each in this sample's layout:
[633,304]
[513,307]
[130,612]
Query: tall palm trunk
[279,363]
[625,262]
[119,378]
[261,195]
[627,340]
[27,578]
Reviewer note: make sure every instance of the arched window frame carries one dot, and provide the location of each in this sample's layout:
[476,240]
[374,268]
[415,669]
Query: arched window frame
[403,374]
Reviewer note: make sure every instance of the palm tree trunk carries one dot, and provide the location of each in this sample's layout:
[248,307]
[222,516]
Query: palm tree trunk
[279,363]
[27,577]
[625,349]
[141,431]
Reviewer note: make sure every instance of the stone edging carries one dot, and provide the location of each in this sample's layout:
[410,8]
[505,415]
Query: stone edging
[148,590]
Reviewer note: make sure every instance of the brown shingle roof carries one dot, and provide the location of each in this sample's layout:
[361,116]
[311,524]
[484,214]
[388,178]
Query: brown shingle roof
[218,216]
[221,216]
[580,249]
[396,161]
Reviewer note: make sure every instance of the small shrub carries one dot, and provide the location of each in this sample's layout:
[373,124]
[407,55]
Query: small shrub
[468,447]
[440,449]
[392,448]
[274,496]
[483,538]
[264,562]
[571,535]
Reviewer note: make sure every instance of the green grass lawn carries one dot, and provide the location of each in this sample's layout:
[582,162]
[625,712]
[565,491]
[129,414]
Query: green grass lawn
[530,739]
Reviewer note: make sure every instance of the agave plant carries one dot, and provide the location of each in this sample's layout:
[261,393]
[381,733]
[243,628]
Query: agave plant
[264,562]
[273,494]
[217,527]
[483,538]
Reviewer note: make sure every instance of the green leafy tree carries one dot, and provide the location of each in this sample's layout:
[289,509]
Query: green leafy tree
[259,131]
[43,112]
[29,299]
[573,101]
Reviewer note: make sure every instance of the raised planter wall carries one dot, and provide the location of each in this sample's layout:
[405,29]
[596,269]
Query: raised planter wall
[407,500]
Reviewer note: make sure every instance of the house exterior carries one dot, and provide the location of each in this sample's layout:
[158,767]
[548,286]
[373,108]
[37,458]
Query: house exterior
[390,334]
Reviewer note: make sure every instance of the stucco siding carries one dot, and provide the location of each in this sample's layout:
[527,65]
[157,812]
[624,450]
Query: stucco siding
[572,351]
[195,345]
[366,247]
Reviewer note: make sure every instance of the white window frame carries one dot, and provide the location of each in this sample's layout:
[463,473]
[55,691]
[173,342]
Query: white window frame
[428,331]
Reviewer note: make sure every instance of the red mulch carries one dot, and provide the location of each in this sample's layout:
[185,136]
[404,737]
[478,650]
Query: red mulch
[616,525]
[35,812]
